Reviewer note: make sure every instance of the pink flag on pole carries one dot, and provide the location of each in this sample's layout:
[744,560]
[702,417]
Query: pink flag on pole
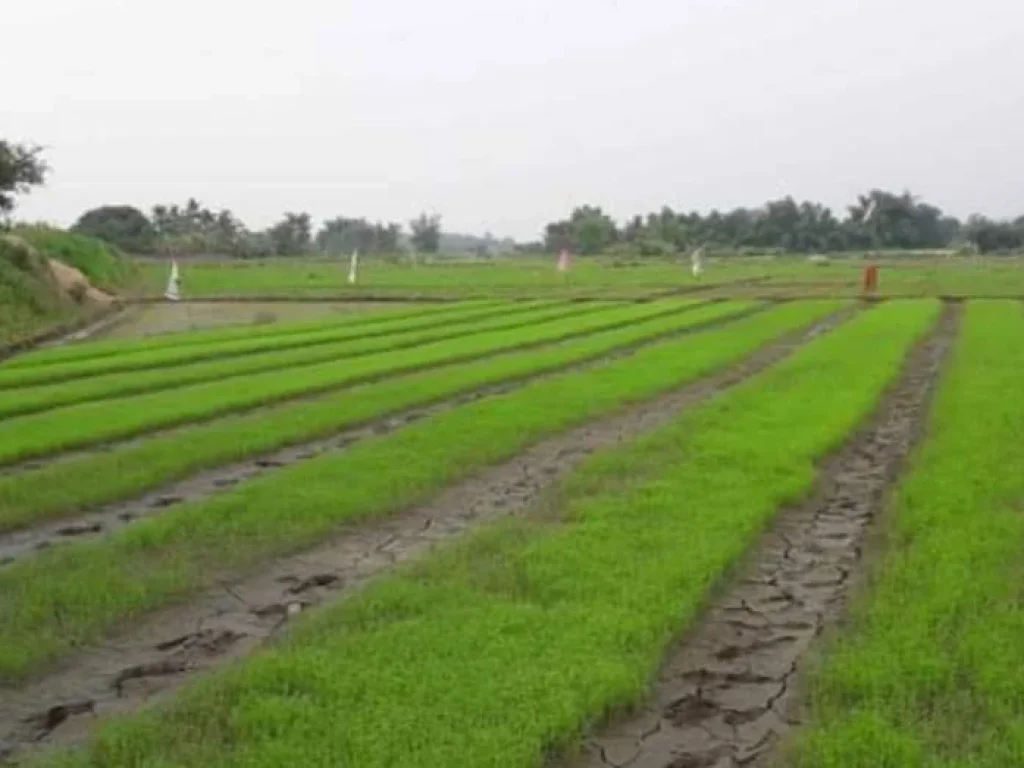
[563,261]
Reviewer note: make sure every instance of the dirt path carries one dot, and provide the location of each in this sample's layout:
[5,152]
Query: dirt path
[725,694]
[21,544]
[166,649]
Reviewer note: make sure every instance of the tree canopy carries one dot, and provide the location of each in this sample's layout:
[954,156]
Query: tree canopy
[426,233]
[896,221]
[21,168]
[123,225]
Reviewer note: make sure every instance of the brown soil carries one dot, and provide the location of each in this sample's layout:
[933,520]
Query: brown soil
[163,651]
[77,286]
[725,694]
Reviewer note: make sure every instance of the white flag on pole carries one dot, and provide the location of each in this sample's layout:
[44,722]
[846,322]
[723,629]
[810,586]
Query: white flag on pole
[353,267]
[697,262]
[563,261]
[173,292]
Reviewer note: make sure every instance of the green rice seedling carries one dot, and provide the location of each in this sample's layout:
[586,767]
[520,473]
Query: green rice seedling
[503,647]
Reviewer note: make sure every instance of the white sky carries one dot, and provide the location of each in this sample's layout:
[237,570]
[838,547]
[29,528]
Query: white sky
[501,115]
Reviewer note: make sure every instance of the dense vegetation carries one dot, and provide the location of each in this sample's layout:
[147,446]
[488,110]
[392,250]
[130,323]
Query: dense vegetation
[30,299]
[879,220]
[21,168]
[195,229]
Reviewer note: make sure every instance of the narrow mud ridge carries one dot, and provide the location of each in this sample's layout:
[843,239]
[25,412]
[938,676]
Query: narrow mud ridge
[166,649]
[725,694]
[105,520]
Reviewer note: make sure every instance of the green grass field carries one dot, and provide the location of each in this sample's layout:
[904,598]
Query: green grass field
[901,275]
[514,638]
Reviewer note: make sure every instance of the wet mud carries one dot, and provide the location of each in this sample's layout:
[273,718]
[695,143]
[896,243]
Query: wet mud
[103,521]
[726,695]
[164,650]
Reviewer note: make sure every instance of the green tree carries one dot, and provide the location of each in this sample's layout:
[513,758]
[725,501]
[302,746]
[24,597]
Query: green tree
[21,168]
[588,231]
[342,235]
[988,236]
[426,233]
[123,225]
[591,230]
[293,235]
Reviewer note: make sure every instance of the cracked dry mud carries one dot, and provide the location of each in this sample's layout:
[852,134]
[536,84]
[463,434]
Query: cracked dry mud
[163,650]
[102,521]
[725,694]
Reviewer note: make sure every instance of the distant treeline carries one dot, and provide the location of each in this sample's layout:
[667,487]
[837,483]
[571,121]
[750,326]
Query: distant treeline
[879,220]
[193,228]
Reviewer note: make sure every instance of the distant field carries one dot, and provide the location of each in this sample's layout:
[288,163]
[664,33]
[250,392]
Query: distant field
[907,276]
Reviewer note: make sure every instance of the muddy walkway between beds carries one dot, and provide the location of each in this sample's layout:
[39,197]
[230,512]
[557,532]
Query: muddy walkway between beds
[102,521]
[165,649]
[725,694]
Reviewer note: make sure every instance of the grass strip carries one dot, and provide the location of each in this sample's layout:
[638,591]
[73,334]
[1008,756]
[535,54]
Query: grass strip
[85,481]
[161,358]
[92,423]
[75,594]
[502,647]
[103,348]
[39,398]
[927,671]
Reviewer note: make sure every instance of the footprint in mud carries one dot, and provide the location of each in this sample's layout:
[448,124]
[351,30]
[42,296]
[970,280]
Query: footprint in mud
[166,501]
[79,529]
[46,721]
[268,463]
[281,610]
[209,640]
[316,580]
[163,668]
[691,708]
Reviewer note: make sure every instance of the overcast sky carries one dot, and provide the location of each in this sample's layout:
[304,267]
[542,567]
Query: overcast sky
[503,114]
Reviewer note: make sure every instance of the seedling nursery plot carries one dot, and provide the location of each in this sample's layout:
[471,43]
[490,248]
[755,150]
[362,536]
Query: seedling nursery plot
[669,532]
